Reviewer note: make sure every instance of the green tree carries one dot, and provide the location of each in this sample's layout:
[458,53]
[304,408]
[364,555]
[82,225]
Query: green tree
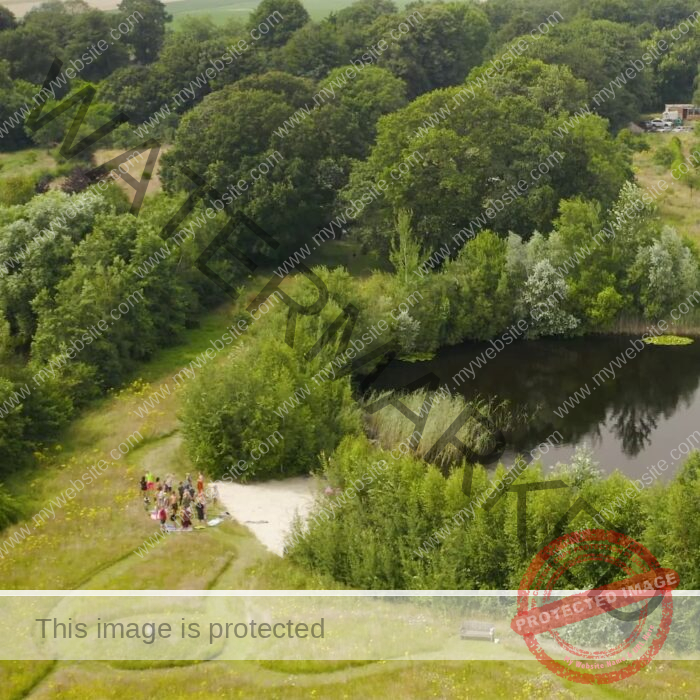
[443,43]
[13,96]
[460,170]
[145,38]
[280,17]
[12,426]
[598,51]
[314,50]
[294,90]
[591,273]
[222,426]
[405,253]
[87,29]
[346,125]
[33,65]
[481,298]
[355,21]
[544,296]
[134,91]
[225,136]
[665,274]
[7,19]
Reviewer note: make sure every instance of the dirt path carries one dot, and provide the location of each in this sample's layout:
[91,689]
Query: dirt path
[268,509]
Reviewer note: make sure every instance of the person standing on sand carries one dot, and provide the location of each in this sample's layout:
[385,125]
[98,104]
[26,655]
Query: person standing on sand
[181,491]
[186,499]
[200,508]
[188,482]
[200,483]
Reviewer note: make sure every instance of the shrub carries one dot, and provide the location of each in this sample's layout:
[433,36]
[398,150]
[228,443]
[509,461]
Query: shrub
[10,508]
[239,405]
[398,523]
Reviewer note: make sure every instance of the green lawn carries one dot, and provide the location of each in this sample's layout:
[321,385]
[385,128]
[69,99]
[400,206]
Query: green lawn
[220,11]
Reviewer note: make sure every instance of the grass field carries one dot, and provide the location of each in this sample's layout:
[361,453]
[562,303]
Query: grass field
[679,206]
[525,680]
[29,161]
[221,10]
[135,169]
[218,10]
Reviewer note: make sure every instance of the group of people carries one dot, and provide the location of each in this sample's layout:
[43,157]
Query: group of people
[175,504]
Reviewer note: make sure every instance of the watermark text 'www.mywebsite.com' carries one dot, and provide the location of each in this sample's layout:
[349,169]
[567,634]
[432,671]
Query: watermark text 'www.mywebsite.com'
[50,510]
[77,65]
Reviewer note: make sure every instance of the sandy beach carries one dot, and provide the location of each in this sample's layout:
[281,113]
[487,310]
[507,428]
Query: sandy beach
[268,509]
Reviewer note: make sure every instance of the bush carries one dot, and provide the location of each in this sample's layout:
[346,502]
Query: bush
[239,406]
[10,508]
[396,523]
[664,156]
[12,425]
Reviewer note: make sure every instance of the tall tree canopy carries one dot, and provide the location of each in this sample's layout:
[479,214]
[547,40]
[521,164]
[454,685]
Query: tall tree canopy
[145,38]
[480,147]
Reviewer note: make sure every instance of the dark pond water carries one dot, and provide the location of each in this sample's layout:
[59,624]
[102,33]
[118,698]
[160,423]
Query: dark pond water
[630,422]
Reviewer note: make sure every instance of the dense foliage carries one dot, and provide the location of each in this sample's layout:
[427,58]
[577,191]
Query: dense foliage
[400,531]
[76,263]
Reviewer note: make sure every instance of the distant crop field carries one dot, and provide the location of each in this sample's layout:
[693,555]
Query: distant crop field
[218,10]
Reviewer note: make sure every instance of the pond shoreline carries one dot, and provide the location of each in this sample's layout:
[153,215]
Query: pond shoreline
[587,388]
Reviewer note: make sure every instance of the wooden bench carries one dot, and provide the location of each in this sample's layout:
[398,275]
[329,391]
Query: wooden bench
[472,629]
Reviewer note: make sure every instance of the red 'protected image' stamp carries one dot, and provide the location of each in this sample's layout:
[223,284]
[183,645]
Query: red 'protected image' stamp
[643,581]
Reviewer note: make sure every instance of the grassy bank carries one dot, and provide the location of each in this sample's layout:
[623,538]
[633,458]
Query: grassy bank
[636,325]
